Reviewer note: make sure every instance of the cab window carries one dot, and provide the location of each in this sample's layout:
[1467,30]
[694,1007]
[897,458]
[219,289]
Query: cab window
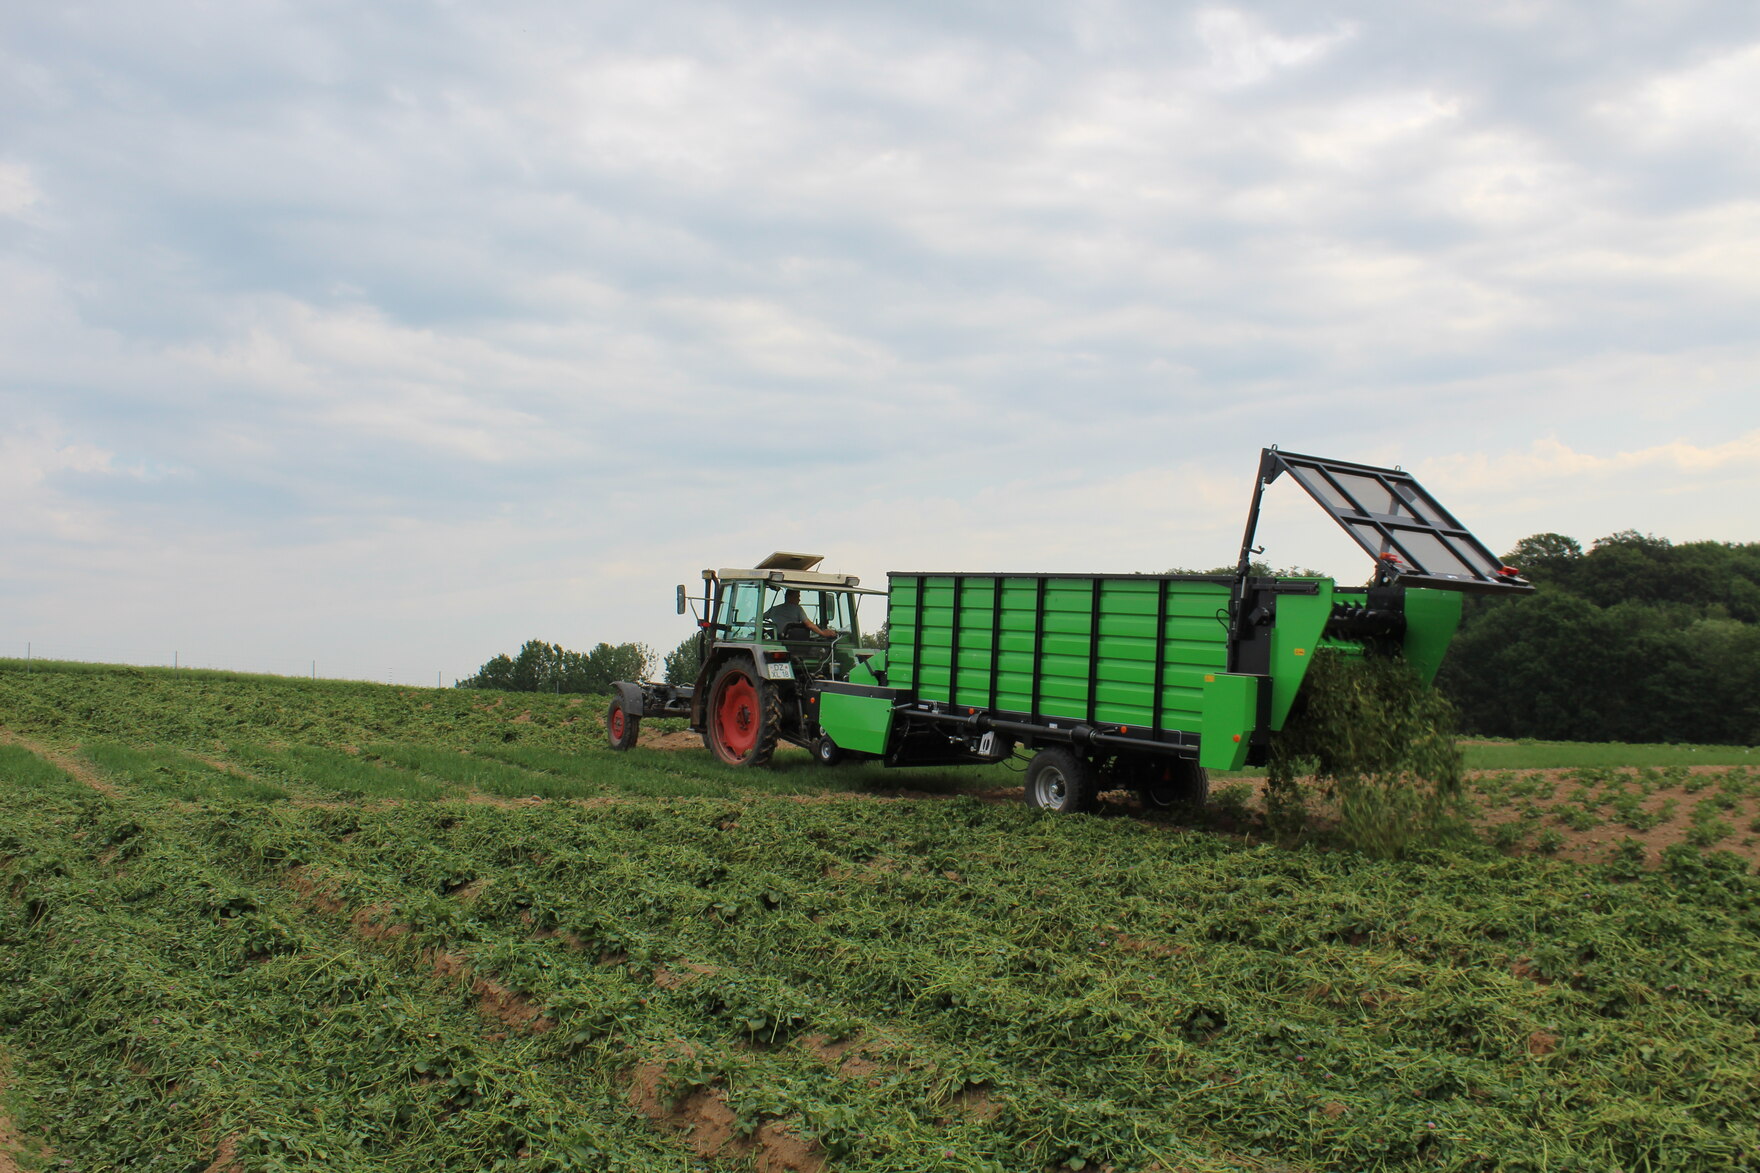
[740,609]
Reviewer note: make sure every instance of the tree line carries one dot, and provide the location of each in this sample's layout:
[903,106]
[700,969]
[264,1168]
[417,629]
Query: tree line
[1636,639]
[547,667]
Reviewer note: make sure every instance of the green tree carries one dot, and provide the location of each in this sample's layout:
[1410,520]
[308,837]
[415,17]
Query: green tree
[684,662]
[1636,640]
[1542,557]
[547,667]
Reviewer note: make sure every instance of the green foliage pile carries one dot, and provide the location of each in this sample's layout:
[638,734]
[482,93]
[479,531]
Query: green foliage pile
[1377,741]
[552,668]
[1636,640]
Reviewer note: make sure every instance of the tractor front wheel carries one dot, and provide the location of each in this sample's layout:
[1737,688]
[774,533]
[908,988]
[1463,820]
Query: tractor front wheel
[745,716]
[620,726]
[1059,781]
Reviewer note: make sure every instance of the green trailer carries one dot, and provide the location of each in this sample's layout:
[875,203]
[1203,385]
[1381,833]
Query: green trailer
[1138,681]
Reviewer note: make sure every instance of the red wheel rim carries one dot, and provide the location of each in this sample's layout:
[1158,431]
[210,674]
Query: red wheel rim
[616,722]
[736,716]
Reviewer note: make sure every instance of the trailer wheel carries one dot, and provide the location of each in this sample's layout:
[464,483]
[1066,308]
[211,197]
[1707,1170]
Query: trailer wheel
[1185,783]
[1058,780]
[745,716]
[620,726]
[828,752]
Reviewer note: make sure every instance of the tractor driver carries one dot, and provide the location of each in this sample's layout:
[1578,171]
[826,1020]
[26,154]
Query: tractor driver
[790,611]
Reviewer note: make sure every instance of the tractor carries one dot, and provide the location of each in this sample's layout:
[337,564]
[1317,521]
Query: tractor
[769,638]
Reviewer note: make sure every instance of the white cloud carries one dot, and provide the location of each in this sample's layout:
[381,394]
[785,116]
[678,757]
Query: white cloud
[773,339]
[1549,459]
[39,488]
[1718,96]
[1243,51]
[577,300]
[27,460]
[18,190]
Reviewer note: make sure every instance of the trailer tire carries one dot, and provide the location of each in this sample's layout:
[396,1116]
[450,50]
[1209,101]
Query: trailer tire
[1186,784]
[621,726]
[826,751]
[1059,781]
[744,716]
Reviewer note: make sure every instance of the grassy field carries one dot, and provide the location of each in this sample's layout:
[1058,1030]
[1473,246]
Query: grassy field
[261,924]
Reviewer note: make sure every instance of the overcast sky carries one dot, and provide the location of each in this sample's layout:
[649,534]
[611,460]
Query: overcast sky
[391,335]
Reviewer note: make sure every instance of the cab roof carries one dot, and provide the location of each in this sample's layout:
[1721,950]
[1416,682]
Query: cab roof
[785,569]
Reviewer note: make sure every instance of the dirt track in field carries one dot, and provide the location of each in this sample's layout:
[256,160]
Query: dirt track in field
[73,767]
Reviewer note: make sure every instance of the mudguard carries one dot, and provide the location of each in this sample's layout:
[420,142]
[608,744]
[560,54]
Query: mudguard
[631,698]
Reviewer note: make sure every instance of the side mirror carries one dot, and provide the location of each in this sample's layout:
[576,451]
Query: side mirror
[681,598]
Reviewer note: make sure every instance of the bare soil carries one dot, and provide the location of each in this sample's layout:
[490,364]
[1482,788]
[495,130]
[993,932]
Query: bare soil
[14,1146]
[1582,821]
[226,1157]
[711,1127]
[654,739]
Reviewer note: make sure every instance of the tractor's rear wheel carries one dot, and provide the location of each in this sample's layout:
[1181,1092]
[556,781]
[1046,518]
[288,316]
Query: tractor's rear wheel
[1059,781]
[620,726]
[745,715]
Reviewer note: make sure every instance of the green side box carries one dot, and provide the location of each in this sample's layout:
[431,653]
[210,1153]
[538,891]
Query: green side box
[1300,621]
[1231,708]
[1432,617]
[861,723]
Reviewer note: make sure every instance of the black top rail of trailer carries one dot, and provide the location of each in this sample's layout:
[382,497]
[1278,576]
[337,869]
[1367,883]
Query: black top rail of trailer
[1413,539]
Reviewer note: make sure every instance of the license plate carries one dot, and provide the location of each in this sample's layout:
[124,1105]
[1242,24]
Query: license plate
[783,671]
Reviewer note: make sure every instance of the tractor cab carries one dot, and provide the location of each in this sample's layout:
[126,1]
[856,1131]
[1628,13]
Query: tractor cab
[803,622]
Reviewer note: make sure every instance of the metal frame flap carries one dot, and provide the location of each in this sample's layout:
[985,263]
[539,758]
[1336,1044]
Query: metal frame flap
[1413,539]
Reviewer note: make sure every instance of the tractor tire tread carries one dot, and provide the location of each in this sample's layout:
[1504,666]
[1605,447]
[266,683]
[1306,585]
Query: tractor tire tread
[769,715]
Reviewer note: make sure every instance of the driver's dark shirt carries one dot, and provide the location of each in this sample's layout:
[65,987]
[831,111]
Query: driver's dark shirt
[784,614]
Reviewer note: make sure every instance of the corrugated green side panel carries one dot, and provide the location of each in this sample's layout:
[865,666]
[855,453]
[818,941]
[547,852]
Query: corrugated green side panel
[980,649]
[1431,619]
[1300,620]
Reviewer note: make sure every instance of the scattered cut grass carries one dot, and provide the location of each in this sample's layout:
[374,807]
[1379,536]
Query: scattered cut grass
[1006,991]
[375,983]
[175,773]
[337,774]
